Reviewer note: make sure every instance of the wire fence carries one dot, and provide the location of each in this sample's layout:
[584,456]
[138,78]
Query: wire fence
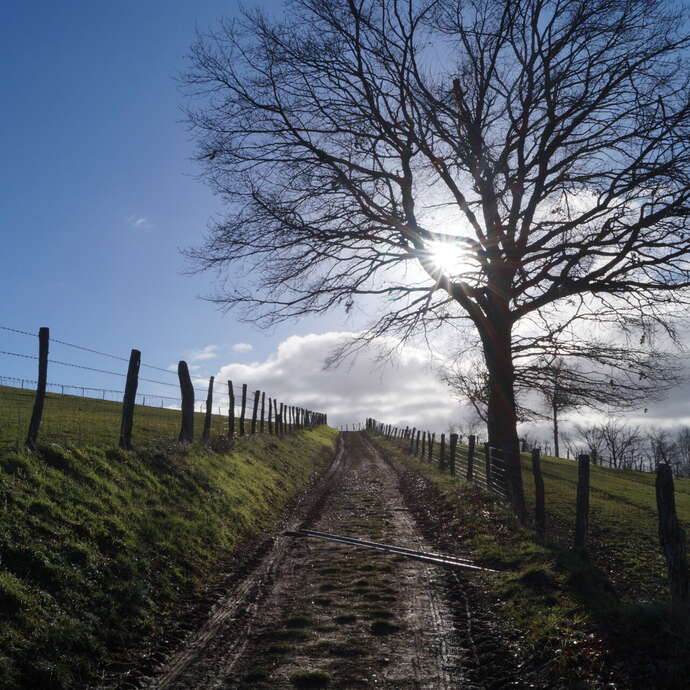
[92,415]
[632,531]
[475,462]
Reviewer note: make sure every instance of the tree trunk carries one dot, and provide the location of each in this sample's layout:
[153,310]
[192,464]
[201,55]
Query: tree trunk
[502,417]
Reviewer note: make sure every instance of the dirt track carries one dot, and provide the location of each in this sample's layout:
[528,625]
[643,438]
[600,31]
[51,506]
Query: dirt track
[318,614]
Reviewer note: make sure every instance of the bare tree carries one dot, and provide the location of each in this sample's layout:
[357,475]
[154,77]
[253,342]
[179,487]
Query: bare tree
[471,423]
[683,449]
[528,157]
[622,443]
[593,441]
[601,376]
[567,386]
[469,382]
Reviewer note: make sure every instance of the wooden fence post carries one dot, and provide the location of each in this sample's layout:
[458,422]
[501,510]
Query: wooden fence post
[431,446]
[672,537]
[469,474]
[187,392]
[255,411]
[263,410]
[416,449]
[129,400]
[209,411]
[487,464]
[281,420]
[423,455]
[243,409]
[37,413]
[231,411]
[453,450]
[412,435]
[270,415]
[442,453]
[471,440]
[582,515]
[539,512]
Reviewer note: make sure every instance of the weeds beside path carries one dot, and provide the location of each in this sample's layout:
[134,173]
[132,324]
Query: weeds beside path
[99,546]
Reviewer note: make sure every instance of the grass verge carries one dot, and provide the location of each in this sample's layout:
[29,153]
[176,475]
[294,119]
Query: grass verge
[573,626]
[96,544]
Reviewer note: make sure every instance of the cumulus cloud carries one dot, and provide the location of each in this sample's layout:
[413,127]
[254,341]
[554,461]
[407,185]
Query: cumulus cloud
[208,352]
[242,347]
[401,391]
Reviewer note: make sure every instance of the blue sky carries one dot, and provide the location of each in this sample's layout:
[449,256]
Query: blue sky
[99,190]
[97,195]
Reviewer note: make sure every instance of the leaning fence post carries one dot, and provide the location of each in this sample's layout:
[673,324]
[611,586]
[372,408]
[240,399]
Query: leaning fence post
[539,513]
[672,536]
[263,410]
[582,515]
[231,411]
[35,423]
[129,399]
[209,411]
[442,454]
[412,435]
[187,391]
[416,449]
[270,415]
[453,449]
[431,446]
[255,411]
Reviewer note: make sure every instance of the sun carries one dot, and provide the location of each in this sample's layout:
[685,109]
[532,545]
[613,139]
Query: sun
[450,257]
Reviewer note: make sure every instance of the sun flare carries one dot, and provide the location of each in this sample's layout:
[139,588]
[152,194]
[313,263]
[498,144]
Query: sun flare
[451,258]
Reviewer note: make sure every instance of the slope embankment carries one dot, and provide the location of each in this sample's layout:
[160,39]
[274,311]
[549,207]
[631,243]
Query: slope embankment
[99,547]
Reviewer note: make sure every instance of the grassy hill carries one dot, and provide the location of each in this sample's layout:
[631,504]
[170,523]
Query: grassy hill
[97,543]
[623,522]
[85,420]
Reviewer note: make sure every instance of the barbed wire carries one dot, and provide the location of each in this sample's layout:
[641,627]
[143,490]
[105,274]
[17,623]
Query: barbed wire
[17,354]
[74,386]
[201,391]
[87,349]
[83,367]
[223,399]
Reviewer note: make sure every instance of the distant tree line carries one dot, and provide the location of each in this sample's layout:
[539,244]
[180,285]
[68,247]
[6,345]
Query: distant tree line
[618,444]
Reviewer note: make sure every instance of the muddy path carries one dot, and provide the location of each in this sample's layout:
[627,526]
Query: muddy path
[316,614]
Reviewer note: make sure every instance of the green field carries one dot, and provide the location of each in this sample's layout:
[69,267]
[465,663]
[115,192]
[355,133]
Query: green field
[97,545]
[623,522]
[89,421]
[623,540]
[598,617]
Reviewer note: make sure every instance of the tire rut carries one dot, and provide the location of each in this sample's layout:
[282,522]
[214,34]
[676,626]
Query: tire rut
[319,614]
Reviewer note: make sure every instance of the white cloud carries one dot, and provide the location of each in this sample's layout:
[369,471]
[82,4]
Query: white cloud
[208,352]
[139,222]
[242,347]
[401,391]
